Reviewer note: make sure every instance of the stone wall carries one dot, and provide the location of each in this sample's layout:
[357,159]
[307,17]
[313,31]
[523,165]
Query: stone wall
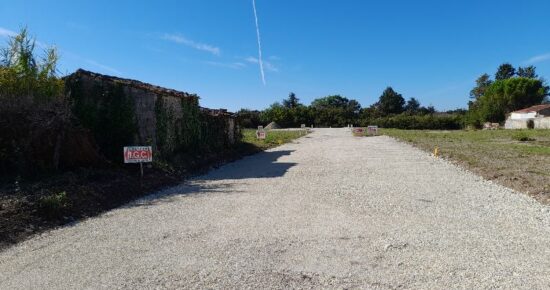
[539,123]
[122,112]
[515,124]
[542,123]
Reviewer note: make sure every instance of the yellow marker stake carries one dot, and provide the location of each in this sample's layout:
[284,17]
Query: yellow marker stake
[436,151]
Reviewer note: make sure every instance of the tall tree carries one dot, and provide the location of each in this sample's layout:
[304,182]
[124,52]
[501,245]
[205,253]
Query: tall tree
[292,101]
[482,83]
[413,105]
[527,72]
[391,102]
[505,71]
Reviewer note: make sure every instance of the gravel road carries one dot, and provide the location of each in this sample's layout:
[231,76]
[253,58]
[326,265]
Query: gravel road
[327,211]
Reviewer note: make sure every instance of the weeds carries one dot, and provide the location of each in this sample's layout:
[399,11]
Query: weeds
[522,137]
[53,205]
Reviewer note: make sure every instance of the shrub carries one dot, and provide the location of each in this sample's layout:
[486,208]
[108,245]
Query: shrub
[33,109]
[417,122]
[52,206]
[522,137]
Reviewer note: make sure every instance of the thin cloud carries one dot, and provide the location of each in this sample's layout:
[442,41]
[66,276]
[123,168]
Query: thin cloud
[103,67]
[6,32]
[266,64]
[231,65]
[10,33]
[93,63]
[188,42]
[538,58]
[442,91]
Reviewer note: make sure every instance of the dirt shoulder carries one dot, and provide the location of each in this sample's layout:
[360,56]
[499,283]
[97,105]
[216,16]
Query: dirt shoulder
[518,159]
[32,206]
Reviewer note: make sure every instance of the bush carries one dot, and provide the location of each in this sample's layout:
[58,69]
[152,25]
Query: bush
[249,119]
[33,109]
[417,122]
[53,206]
[522,137]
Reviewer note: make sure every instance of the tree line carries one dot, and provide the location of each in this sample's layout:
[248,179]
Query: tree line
[391,110]
[491,100]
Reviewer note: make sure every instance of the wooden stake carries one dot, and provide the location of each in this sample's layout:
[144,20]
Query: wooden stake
[141,175]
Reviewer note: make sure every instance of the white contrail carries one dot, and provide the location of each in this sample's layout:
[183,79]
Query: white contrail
[260,61]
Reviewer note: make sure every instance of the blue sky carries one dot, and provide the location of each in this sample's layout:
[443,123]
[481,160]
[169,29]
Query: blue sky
[430,50]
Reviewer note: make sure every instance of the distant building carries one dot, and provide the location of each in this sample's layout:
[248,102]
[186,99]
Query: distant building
[531,112]
[537,117]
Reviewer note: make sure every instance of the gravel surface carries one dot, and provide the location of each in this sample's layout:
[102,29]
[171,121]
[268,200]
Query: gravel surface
[328,211]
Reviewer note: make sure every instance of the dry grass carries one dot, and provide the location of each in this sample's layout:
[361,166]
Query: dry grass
[273,138]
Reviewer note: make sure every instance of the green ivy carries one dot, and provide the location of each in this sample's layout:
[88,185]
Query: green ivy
[162,125]
[109,113]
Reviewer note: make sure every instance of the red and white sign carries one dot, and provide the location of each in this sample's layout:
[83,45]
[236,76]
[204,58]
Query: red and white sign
[260,134]
[358,132]
[372,130]
[138,154]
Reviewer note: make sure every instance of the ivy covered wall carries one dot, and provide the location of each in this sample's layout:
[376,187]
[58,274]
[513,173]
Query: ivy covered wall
[122,112]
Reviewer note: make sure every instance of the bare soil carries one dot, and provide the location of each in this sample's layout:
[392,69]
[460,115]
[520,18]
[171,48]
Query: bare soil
[34,205]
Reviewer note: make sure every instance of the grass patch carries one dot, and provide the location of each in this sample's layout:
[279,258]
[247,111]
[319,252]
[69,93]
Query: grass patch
[273,138]
[514,158]
[522,137]
[52,206]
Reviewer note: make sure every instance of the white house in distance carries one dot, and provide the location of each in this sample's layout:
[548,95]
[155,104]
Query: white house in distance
[539,115]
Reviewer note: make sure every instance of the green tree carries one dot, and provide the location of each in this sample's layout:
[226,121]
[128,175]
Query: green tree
[505,96]
[335,111]
[277,113]
[527,72]
[249,118]
[412,106]
[23,75]
[391,102]
[505,71]
[292,101]
[482,83]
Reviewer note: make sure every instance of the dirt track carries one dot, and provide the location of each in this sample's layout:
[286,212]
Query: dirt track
[329,211]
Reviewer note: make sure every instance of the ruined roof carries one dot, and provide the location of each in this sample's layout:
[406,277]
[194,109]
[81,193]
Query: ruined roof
[136,84]
[536,108]
[217,112]
[150,88]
